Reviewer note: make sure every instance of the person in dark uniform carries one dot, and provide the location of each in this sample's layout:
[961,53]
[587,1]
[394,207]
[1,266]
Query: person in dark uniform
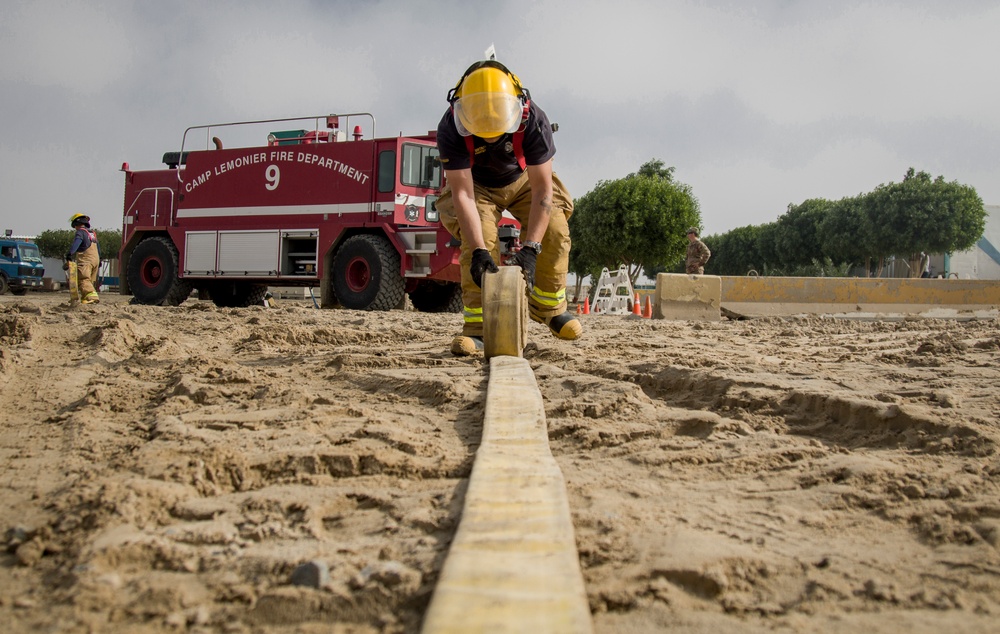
[496,151]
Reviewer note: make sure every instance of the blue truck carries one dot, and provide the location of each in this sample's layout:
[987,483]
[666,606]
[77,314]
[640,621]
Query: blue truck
[20,266]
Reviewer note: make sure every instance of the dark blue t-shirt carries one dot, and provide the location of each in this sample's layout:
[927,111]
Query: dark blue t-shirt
[81,240]
[495,164]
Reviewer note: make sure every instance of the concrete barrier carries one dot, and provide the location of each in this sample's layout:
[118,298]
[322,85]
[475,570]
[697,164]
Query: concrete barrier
[756,296]
[692,297]
[708,297]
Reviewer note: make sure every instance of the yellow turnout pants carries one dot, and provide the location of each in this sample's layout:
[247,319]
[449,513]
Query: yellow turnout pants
[87,263]
[548,297]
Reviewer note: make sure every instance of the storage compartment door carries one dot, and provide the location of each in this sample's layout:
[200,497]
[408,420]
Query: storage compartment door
[200,252]
[248,253]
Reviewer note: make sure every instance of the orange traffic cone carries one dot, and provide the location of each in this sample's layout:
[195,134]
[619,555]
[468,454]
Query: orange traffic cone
[637,306]
[648,313]
[586,305]
[578,309]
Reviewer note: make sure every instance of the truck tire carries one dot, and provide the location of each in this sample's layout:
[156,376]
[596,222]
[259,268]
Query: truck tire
[4,285]
[238,294]
[152,274]
[366,274]
[18,291]
[437,297]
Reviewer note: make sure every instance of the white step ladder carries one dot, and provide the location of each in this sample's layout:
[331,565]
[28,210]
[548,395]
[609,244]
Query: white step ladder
[614,293]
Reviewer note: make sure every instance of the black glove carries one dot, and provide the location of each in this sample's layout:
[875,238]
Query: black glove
[69,256]
[525,258]
[482,262]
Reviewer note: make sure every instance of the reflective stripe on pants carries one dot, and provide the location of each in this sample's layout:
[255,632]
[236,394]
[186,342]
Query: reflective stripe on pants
[548,297]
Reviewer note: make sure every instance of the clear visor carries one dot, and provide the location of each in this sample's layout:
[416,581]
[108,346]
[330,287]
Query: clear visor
[487,114]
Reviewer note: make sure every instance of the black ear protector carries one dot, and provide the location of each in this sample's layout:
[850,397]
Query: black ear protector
[522,92]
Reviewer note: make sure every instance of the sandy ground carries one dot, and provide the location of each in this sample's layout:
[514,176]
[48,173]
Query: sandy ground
[169,469]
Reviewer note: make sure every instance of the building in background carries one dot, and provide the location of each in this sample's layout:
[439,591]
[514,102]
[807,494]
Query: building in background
[981,262]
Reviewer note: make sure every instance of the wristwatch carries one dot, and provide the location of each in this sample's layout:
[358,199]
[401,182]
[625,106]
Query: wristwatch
[537,246]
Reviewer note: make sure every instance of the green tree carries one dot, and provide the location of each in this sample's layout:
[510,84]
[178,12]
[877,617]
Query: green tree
[735,252]
[842,233]
[821,237]
[767,247]
[55,243]
[638,221]
[923,214]
[579,265]
[655,169]
[795,238]
[110,242]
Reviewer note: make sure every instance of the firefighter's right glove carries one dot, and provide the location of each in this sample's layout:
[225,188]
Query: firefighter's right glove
[482,262]
[525,258]
[69,257]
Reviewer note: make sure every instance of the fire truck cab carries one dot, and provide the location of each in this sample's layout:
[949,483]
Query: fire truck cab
[306,206]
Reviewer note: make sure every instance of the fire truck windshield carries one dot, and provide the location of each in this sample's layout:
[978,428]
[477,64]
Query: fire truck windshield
[420,166]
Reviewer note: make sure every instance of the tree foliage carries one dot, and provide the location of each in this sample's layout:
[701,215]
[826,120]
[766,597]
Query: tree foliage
[918,214]
[638,221]
[923,214]
[795,237]
[55,243]
[767,247]
[735,252]
[842,232]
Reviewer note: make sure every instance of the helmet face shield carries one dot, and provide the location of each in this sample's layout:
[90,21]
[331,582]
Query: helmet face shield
[487,114]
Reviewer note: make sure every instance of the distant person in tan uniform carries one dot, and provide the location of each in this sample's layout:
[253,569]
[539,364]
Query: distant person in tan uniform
[697,253]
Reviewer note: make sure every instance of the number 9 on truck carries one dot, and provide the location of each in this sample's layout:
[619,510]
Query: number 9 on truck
[273,176]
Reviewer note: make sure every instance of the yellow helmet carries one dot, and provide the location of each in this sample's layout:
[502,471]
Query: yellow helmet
[488,101]
[78,219]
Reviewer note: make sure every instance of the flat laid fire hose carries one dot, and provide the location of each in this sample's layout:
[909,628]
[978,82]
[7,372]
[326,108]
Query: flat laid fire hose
[513,565]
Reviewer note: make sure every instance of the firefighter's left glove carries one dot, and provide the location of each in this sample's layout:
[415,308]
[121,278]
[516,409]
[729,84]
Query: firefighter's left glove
[525,258]
[482,262]
[69,257]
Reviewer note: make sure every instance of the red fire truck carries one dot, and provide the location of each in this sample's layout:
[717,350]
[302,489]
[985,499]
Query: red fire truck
[302,207]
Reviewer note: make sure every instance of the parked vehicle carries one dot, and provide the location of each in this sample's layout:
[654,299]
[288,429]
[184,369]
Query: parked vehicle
[305,207]
[20,266]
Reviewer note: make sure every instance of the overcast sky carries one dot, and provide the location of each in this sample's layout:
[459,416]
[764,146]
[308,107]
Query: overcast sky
[757,104]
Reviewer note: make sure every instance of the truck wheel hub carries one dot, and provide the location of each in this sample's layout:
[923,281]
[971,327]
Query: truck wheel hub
[358,274]
[151,272]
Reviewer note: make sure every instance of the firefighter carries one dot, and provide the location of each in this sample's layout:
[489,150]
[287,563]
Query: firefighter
[496,150]
[88,259]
